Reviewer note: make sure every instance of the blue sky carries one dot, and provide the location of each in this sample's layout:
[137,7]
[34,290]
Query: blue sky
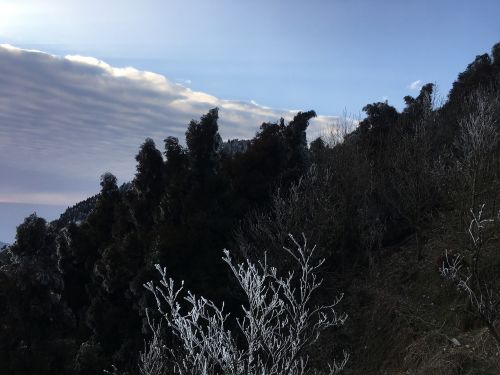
[327,55]
[256,59]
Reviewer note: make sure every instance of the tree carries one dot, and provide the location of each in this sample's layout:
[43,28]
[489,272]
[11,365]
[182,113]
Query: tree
[36,324]
[203,141]
[101,218]
[411,179]
[373,131]
[149,183]
[476,142]
[31,237]
[276,157]
[296,141]
[478,73]
[308,205]
[149,177]
[474,276]
[279,322]
[176,167]
[175,155]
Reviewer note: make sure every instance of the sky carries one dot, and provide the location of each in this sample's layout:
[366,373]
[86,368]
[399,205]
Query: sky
[83,83]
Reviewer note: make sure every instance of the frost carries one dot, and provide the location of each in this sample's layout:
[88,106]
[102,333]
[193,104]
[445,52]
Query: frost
[278,323]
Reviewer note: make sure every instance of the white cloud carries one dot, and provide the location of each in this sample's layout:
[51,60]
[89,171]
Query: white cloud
[415,85]
[66,120]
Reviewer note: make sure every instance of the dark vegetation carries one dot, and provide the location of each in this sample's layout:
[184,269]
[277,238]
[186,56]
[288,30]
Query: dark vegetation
[77,213]
[383,205]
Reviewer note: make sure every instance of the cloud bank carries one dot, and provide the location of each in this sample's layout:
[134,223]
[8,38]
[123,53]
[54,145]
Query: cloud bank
[66,120]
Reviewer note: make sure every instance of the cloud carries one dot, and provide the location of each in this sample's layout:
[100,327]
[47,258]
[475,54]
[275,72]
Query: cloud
[415,85]
[66,120]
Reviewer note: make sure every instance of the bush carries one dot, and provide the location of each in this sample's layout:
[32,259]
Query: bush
[277,326]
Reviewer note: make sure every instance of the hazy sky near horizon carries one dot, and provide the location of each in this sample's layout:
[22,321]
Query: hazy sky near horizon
[110,73]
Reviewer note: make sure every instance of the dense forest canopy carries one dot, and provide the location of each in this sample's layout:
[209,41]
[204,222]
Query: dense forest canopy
[72,299]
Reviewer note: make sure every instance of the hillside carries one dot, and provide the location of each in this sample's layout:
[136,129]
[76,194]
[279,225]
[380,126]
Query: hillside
[405,317]
[404,211]
[76,213]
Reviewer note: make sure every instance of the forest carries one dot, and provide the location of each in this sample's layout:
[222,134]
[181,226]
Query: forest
[393,224]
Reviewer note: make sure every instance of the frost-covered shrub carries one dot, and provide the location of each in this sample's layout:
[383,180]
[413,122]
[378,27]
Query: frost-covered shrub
[278,323]
[474,275]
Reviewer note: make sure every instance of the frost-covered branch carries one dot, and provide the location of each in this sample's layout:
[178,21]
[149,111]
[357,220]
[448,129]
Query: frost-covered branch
[478,138]
[278,323]
[471,278]
[152,359]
